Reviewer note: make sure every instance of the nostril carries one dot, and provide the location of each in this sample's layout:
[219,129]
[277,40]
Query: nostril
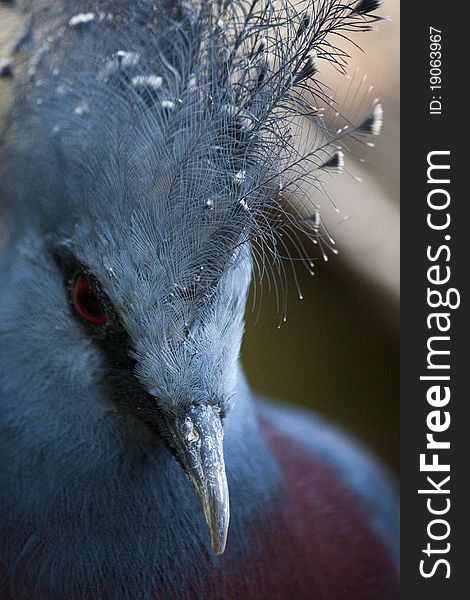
[191,434]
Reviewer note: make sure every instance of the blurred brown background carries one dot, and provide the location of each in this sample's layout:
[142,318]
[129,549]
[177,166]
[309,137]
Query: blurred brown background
[338,353]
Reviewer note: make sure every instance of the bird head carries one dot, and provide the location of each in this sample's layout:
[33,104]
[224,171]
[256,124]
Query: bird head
[163,142]
[163,297]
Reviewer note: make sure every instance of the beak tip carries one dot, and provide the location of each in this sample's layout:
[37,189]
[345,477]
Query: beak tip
[218,543]
[217,549]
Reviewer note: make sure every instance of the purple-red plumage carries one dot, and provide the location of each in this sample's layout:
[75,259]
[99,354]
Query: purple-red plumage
[315,545]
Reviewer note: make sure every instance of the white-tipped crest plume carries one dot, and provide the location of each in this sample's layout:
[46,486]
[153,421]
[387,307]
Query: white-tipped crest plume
[208,95]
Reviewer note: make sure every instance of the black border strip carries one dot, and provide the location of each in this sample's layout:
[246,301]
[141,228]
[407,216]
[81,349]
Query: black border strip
[422,133]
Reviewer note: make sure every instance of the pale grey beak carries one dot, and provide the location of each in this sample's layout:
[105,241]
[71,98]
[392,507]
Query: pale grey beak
[197,438]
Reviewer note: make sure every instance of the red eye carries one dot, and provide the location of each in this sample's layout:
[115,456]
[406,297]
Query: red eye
[87,303]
